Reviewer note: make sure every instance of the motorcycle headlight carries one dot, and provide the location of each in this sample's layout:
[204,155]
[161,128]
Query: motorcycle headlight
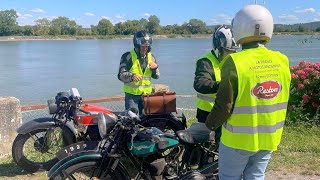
[105,123]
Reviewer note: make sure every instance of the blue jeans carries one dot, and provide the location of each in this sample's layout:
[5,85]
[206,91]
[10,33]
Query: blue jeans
[235,164]
[133,101]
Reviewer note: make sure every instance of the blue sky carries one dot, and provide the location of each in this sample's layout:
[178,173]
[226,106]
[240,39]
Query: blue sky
[89,12]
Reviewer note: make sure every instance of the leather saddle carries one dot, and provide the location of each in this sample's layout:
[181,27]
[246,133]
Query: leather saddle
[197,133]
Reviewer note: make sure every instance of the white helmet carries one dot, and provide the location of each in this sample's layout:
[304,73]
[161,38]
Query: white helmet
[222,38]
[252,23]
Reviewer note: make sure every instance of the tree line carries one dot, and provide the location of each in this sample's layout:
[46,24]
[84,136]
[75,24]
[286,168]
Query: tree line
[64,26]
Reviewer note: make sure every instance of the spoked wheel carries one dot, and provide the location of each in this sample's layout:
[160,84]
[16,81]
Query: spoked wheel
[37,149]
[88,170]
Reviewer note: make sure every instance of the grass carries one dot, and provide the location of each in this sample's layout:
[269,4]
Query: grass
[298,152]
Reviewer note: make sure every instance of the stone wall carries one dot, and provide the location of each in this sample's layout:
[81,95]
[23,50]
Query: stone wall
[10,120]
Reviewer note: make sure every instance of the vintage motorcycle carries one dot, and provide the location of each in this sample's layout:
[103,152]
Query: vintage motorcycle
[153,153]
[39,140]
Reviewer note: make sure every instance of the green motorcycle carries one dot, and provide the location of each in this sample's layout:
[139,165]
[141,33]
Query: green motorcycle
[188,154]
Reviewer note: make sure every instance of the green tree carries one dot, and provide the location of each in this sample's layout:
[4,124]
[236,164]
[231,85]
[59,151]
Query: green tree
[27,30]
[66,26]
[83,31]
[42,27]
[143,23]
[128,27]
[153,26]
[54,30]
[94,30]
[279,28]
[169,29]
[196,26]
[119,28]
[8,22]
[105,27]
[318,29]
[302,29]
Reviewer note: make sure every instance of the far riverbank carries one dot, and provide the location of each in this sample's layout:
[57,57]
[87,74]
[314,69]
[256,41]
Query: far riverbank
[43,38]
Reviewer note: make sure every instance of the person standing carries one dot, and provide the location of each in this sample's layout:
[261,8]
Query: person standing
[207,74]
[252,98]
[136,69]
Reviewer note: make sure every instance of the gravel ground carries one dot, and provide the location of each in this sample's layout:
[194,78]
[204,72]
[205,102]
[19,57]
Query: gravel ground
[271,175]
[283,175]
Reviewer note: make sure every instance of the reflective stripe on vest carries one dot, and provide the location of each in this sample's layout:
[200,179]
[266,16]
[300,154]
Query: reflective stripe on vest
[205,102]
[205,98]
[253,130]
[143,86]
[260,108]
[257,120]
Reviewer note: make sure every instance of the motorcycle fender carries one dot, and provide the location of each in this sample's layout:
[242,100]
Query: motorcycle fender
[42,123]
[39,123]
[71,160]
[77,158]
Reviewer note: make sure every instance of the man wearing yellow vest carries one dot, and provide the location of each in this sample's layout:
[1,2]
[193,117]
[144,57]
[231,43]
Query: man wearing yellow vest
[136,69]
[207,74]
[252,98]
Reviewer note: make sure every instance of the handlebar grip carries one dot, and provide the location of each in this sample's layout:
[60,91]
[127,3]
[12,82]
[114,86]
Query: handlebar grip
[133,115]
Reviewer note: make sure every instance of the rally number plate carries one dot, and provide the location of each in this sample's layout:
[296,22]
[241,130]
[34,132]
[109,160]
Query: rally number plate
[76,148]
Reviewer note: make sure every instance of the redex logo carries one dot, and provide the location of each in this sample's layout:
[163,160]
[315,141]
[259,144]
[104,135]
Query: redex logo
[266,90]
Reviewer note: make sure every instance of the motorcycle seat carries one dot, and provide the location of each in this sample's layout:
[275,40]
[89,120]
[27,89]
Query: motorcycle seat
[197,133]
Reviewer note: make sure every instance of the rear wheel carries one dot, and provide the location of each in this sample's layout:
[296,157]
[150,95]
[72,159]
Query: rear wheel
[37,149]
[88,170]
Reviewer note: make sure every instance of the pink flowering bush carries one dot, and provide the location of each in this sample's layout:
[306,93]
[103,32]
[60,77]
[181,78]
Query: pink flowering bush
[304,102]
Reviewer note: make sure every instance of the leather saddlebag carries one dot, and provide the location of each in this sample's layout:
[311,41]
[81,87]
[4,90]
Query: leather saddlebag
[159,103]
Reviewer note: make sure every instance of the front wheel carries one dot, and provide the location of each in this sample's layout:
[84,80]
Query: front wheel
[37,149]
[88,170]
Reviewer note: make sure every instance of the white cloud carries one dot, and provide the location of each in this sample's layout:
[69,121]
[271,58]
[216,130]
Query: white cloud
[120,16]
[220,19]
[288,17]
[308,10]
[88,14]
[49,17]
[28,15]
[213,21]
[24,16]
[147,14]
[106,17]
[37,10]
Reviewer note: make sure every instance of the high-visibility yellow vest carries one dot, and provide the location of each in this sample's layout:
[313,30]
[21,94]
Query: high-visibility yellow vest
[205,102]
[260,109]
[143,86]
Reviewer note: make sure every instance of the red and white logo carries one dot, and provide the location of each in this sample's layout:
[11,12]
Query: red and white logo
[266,90]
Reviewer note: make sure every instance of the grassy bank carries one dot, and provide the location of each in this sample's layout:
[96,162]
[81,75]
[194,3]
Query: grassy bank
[67,37]
[164,36]
[299,152]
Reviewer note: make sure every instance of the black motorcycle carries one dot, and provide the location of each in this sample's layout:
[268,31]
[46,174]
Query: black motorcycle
[72,121]
[190,154]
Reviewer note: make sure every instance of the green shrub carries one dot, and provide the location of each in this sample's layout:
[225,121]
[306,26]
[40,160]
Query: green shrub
[304,101]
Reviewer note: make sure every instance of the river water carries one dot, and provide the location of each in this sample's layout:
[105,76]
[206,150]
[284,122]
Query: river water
[34,71]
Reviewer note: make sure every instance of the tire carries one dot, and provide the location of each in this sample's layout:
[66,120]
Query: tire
[89,166]
[42,152]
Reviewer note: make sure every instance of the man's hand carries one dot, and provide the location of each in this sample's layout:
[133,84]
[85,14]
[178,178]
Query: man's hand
[153,65]
[136,77]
